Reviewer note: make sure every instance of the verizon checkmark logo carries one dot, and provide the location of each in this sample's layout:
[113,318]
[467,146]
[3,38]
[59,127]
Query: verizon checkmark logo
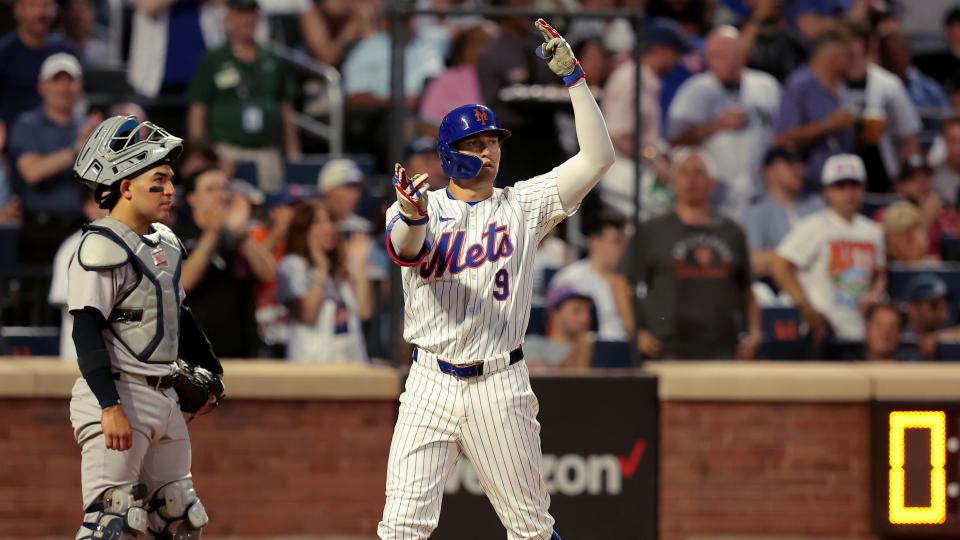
[628,465]
[568,474]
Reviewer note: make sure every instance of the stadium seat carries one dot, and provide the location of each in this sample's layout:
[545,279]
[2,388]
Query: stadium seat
[950,247]
[948,351]
[538,321]
[611,354]
[32,340]
[783,338]
[246,170]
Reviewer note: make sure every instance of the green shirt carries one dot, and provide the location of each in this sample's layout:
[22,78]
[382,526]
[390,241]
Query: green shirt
[242,100]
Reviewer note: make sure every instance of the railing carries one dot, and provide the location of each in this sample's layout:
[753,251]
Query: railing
[332,132]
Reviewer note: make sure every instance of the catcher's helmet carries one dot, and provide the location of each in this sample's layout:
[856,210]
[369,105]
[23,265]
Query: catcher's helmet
[460,123]
[120,148]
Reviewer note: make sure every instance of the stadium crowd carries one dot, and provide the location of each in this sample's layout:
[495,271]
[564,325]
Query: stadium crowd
[799,166]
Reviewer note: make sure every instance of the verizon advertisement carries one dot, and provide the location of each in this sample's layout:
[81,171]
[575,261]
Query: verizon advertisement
[599,437]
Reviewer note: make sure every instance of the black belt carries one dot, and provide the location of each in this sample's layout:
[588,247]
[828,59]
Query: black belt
[473,369]
[158,383]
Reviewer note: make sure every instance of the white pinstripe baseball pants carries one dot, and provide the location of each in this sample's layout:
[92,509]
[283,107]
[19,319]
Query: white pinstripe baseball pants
[492,420]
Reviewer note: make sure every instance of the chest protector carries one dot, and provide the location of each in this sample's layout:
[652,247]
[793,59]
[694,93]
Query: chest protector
[146,318]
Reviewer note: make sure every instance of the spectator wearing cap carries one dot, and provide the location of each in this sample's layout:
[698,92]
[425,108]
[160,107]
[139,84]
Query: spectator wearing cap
[887,123]
[322,281]
[458,83]
[946,178]
[568,342]
[905,236]
[665,43]
[832,263]
[43,146]
[422,156]
[696,269]
[22,53]
[598,277]
[928,312]
[915,187]
[223,264]
[815,116]
[241,98]
[767,221]
[340,184]
[729,110]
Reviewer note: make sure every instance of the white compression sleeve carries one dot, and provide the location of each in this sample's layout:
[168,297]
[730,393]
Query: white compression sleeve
[407,240]
[577,176]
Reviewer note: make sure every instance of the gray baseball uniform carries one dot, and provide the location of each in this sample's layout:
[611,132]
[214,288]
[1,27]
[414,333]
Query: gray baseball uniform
[160,454]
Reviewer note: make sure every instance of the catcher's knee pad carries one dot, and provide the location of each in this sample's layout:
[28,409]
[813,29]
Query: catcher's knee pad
[120,513]
[176,513]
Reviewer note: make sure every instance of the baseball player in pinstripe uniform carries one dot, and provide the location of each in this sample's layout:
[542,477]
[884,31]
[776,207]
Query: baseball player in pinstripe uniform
[467,255]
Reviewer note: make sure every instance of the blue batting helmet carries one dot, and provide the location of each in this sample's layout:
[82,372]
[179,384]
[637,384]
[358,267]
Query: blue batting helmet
[458,124]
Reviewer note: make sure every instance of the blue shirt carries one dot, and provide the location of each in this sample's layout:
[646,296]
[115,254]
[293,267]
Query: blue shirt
[767,221]
[185,45]
[21,69]
[367,66]
[805,101]
[57,195]
[825,8]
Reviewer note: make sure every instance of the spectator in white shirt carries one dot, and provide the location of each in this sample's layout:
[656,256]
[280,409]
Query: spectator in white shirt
[729,110]
[597,277]
[833,262]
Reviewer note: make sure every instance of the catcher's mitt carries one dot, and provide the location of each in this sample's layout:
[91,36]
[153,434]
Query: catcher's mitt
[195,385]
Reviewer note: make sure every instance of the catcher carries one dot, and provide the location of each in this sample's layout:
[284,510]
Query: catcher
[141,352]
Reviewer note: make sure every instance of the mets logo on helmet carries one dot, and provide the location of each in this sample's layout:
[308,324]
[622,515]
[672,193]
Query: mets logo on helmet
[481,116]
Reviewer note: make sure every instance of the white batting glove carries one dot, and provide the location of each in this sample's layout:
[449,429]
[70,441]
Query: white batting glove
[412,196]
[558,54]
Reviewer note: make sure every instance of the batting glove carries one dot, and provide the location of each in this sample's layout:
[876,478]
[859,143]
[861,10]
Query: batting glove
[558,54]
[412,196]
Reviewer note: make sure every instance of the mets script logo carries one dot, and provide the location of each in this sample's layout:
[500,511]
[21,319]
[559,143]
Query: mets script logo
[481,116]
[493,246]
[566,474]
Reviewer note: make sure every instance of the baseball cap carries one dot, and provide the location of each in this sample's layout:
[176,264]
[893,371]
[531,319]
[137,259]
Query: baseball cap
[780,152]
[421,145]
[559,295]
[339,172]
[248,190]
[843,167]
[242,4]
[900,216]
[913,164]
[60,62]
[661,31]
[926,286]
[289,194]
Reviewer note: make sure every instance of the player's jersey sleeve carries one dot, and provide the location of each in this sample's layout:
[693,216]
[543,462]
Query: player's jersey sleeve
[99,289]
[540,200]
[392,217]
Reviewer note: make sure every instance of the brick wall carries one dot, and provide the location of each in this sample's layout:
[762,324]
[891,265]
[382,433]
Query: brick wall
[260,467]
[764,469]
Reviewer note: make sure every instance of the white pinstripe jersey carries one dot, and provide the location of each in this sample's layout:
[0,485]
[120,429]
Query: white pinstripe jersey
[468,297]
